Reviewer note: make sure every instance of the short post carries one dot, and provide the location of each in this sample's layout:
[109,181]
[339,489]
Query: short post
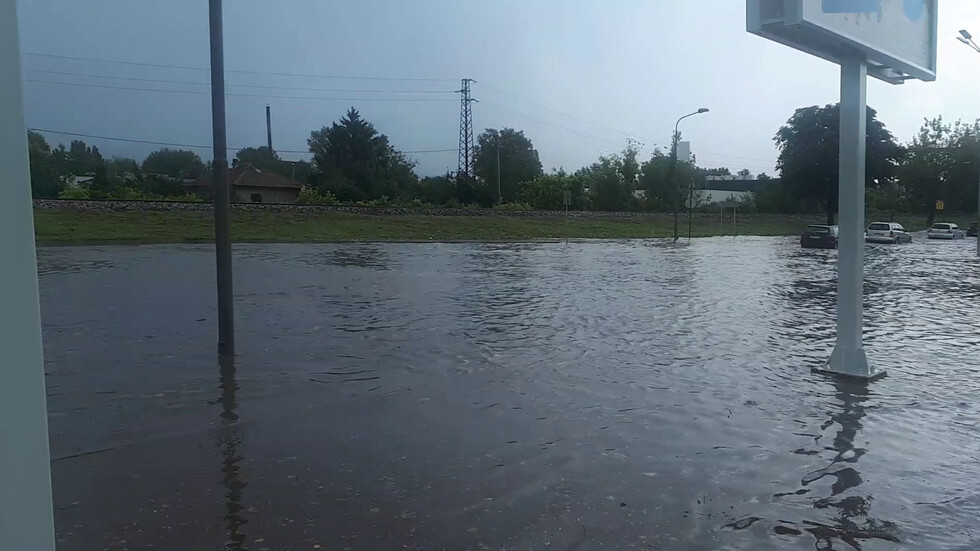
[735,219]
[849,357]
[26,514]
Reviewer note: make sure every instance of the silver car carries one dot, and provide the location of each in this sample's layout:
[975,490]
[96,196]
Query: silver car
[887,232]
[944,230]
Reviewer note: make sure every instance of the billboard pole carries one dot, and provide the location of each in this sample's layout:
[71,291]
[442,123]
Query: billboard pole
[849,357]
[26,515]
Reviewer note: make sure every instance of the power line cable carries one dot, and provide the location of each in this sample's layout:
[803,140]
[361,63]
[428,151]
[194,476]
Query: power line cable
[198,83]
[199,146]
[569,115]
[239,71]
[550,123]
[231,94]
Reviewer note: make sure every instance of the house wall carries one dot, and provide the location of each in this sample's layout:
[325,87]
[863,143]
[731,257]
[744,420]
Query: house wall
[709,196]
[243,194]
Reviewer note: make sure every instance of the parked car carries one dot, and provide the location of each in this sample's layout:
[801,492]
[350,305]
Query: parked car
[972,230]
[943,230]
[887,232]
[820,237]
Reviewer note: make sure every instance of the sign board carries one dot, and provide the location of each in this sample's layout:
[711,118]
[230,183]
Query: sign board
[897,37]
[940,205]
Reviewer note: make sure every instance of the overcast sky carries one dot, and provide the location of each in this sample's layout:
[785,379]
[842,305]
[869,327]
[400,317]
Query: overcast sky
[577,76]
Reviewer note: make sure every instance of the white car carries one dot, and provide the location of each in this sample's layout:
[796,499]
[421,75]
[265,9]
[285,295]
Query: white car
[887,232]
[943,230]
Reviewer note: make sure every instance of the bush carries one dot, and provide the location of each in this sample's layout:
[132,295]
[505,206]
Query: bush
[74,193]
[512,206]
[311,196]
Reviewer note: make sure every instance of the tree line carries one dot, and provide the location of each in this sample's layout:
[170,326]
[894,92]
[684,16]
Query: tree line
[352,162]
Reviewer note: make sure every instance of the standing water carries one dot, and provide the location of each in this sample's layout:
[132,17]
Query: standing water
[625,395]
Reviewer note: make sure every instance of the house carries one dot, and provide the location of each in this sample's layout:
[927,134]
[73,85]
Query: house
[731,189]
[252,185]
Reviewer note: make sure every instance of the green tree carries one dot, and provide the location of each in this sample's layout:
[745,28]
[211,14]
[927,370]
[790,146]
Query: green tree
[436,190]
[660,191]
[519,162]
[81,159]
[548,192]
[259,157]
[47,180]
[941,163]
[356,163]
[809,145]
[176,163]
[744,174]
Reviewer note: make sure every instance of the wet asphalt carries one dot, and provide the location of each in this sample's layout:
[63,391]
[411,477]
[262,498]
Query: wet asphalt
[595,395]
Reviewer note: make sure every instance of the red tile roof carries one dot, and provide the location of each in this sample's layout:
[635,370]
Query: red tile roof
[247,175]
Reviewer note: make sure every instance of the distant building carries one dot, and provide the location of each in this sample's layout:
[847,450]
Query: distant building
[252,185]
[730,189]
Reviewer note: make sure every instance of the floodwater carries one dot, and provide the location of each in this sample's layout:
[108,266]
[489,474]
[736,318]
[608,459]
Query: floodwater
[595,395]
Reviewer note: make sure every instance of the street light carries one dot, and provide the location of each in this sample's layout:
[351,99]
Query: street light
[673,165]
[967,38]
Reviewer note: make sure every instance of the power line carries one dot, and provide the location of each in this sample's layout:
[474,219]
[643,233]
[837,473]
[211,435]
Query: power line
[198,83]
[199,146]
[550,123]
[239,71]
[240,95]
[575,117]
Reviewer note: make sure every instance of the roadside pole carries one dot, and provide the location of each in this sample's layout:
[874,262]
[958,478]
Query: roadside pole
[978,211]
[222,207]
[26,514]
[849,357]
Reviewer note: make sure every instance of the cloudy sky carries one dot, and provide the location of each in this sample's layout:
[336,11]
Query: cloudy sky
[579,77]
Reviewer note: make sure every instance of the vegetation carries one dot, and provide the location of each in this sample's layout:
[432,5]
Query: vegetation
[809,146]
[354,163]
[77,227]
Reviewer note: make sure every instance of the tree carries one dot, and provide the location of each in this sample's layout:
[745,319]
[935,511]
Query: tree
[259,157]
[661,192]
[81,159]
[47,181]
[436,190]
[519,162]
[548,192]
[176,163]
[744,174]
[809,146]
[356,163]
[940,163]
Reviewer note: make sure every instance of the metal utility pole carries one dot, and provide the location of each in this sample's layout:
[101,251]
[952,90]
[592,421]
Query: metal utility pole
[26,514]
[499,199]
[222,206]
[967,38]
[268,127]
[672,177]
[465,170]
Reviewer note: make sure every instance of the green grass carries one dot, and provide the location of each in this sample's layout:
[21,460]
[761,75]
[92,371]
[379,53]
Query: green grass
[76,227]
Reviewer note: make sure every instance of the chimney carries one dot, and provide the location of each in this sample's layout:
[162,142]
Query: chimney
[234,163]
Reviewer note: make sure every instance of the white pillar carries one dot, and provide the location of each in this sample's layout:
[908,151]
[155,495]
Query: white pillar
[26,517]
[849,357]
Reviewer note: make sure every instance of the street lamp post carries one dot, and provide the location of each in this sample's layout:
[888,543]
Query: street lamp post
[966,38]
[673,166]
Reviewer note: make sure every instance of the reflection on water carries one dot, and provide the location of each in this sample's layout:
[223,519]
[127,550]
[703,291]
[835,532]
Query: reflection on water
[230,438]
[853,521]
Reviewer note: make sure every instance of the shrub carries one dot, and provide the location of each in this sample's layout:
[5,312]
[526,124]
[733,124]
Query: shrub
[74,193]
[311,196]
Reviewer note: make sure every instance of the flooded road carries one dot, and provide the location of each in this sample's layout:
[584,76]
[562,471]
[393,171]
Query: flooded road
[617,395]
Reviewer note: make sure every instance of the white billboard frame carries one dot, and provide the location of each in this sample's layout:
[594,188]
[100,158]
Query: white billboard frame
[793,29]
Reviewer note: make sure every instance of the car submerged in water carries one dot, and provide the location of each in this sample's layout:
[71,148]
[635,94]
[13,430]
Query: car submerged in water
[820,237]
[943,230]
[887,232]
[972,230]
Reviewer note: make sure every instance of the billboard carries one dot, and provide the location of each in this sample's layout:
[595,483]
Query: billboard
[898,37]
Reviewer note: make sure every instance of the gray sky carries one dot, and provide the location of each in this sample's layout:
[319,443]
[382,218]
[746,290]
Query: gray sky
[578,76]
